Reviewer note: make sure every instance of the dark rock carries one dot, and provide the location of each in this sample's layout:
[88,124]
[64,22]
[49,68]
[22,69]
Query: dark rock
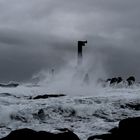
[29,134]
[113,80]
[130,126]
[119,79]
[7,94]
[102,137]
[133,106]
[9,85]
[108,80]
[130,80]
[41,114]
[129,129]
[18,118]
[48,96]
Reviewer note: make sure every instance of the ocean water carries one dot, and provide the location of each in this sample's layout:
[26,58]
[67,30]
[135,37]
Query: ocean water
[85,113]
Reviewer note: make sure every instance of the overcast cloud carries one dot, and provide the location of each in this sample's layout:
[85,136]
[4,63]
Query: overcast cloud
[40,34]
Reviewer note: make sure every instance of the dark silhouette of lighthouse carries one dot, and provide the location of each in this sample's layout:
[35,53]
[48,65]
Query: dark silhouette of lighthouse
[80,51]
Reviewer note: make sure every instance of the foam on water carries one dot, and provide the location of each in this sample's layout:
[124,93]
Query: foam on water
[87,109]
[85,115]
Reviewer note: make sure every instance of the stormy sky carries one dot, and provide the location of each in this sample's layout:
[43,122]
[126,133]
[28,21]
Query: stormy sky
[38,35]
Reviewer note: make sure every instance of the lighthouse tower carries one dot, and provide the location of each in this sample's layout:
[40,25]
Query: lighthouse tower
[80,51]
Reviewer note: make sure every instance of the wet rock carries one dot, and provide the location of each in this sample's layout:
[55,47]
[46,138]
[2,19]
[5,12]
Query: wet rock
[113,80]
[130,126]
[101,137]
[18,117]
[9,85]
[47,96]
[130,80]
[128,129]
[29,134]
[133,106]
[119,79]
[40,115]
[7,95]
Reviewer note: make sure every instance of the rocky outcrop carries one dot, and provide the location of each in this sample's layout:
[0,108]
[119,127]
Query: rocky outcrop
[116,80]
[29,134]
[9,85]
[133,106]
[130,80]
[47,96]
[128,129]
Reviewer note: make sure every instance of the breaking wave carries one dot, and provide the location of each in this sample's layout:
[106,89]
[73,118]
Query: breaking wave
[85,115]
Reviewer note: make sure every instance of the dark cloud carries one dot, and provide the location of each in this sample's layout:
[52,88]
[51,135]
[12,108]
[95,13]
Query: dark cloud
[40,34]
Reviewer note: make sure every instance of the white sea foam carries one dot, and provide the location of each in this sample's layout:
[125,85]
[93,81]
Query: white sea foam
[85,115]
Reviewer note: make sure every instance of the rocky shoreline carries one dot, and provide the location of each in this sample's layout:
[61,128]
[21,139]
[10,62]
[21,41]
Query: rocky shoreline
[127,129]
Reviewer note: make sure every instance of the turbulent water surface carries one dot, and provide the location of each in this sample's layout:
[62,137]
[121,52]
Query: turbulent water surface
[85,115]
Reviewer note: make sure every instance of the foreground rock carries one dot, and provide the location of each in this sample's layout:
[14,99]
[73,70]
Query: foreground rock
[29,134]
[133,106]
[47,96]
[128,129]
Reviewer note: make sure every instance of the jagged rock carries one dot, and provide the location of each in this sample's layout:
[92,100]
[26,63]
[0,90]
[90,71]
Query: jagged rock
[113,80]
[119,79]
[128,129]
[48,96]
[40,115]
[102,137]
[134,106]
[18,118]
[130,126]
[9,85]
[29,134]
[130,80]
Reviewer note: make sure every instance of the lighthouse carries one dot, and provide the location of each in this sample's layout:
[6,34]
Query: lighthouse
[80,51]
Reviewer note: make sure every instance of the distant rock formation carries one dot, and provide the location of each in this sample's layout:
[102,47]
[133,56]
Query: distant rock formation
[128,129]
[29,134]
[130,80]
[113,80]
[119,79]
[116,80]
[12,84]
[47,96]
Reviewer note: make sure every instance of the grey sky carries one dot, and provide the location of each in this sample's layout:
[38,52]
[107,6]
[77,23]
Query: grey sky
[39,34]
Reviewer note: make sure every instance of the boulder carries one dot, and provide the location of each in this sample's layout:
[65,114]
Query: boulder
[29,134]
[48,96]
[130,80]
[113,81]
[128,129]
[9,85]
